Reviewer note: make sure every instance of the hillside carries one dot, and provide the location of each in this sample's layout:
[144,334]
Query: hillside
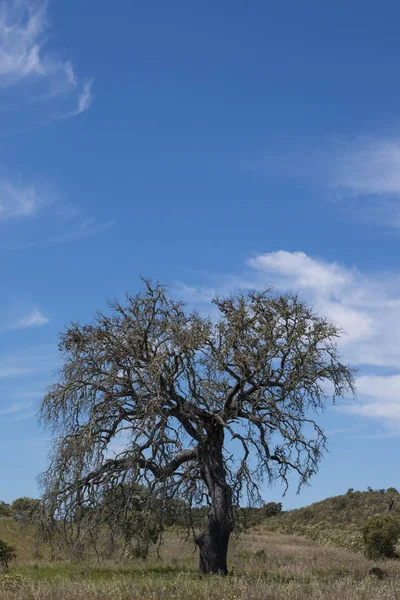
[337,519]
[20,535]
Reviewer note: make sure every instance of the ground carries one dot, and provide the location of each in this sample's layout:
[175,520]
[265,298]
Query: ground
[264,565]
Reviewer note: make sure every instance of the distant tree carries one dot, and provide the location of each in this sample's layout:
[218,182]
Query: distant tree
[271,509]
[350,491]
[369,489]
[181,388]
[5,509]
[7,554]
[392,490]
[24,507]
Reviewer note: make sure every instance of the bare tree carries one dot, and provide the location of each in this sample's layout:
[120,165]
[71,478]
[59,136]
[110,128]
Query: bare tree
[201,410]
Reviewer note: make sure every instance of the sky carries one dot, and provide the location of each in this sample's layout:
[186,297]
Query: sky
[213,146]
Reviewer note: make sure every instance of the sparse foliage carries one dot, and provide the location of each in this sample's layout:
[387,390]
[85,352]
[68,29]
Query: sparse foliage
[201,410]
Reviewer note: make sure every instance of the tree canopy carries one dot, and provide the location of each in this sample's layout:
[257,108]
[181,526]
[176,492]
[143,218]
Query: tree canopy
[192,408]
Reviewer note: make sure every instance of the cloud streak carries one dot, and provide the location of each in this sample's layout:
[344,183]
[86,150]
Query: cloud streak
[361,174]
[33,319]
[30,74]
[21,204]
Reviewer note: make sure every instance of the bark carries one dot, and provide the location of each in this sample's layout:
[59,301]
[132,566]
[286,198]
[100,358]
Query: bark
[213,543]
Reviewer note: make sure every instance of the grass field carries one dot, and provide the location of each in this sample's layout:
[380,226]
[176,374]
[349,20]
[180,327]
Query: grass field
[264,565]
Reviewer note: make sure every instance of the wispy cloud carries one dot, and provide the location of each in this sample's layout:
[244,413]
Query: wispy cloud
[15,407]
[32,361]
[10,370]
[30,73]
[60,221]
[366,307]
[33,319]
[18,200]
[84,100]
[17,411]
[367,166]
[362,174]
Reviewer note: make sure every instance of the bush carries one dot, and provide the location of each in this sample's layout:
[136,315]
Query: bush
[7,554]
[380,534]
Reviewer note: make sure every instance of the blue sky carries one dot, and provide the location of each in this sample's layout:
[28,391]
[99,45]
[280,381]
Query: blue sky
[213,146]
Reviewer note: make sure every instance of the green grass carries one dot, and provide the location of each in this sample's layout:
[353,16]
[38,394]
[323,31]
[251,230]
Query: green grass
[263,565]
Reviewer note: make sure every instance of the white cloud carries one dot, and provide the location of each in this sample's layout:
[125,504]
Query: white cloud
[85,99]
[302,270]
[21,25]
[30,72]
[368,166]
[378,386]
[361,174]
[33,319]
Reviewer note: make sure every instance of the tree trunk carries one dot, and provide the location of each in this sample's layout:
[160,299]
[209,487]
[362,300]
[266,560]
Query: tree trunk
[213,553]
[213,543]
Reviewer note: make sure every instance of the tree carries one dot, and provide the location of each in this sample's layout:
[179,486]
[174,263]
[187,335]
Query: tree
[24,508]
[206,409]
[271,509]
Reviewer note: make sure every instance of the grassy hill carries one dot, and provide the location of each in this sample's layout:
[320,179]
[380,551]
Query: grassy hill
[337,520]
[20,535]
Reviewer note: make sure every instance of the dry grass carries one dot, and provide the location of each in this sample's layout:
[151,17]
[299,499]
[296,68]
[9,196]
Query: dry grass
[264,565]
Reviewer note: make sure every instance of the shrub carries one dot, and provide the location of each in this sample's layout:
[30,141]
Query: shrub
[380,534]
[7,554]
